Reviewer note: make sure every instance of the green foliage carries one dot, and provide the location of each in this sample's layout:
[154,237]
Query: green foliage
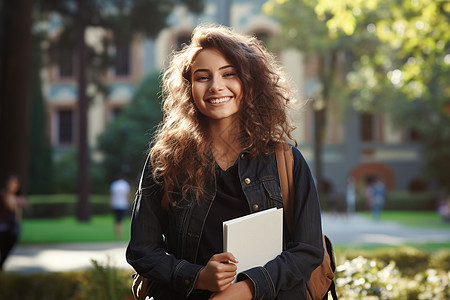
[66,168]
[125,139]
[407,259]
[101,282]
[48,286]
[104,282]
[361,278]
[403,200]
[406,72]
[124,19]
[40,175]
[397,61]
[61,205]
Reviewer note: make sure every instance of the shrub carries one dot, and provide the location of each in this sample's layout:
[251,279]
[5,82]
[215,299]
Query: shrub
[362,278]
[376,275]
[61,205]
[407,259]
[404,200]
[65,174]
[104,282]
[100,282]
[48,286]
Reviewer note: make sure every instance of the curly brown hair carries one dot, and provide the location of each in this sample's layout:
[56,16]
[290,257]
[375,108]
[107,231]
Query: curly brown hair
[181,152]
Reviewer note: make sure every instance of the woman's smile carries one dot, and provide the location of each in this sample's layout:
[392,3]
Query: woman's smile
[219,100]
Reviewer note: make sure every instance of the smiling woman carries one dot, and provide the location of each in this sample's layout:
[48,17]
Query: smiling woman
[213,160]
[216,88]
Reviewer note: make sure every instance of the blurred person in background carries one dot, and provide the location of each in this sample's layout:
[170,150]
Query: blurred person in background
[120,192]
[350,195]
[379,196]
[444,209]
[12,203]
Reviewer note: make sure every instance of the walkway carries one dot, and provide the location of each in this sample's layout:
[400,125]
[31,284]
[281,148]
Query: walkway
[343,230]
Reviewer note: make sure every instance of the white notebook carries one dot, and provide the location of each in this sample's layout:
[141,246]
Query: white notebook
[254,239]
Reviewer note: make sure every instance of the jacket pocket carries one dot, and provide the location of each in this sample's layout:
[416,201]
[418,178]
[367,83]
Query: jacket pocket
[273,193]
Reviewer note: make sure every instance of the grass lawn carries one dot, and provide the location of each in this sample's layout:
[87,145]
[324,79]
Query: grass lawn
[101,229]
[68,229]
[419,219]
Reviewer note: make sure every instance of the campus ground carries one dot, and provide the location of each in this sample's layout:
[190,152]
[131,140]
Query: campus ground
[355,230]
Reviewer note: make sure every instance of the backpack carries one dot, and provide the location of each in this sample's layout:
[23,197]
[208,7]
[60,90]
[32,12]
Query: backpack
[321,281]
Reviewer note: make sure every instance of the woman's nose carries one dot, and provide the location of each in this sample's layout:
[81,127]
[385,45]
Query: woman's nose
[216,84]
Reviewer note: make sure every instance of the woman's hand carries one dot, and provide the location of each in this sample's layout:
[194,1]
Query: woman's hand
[241,290]
[218,273]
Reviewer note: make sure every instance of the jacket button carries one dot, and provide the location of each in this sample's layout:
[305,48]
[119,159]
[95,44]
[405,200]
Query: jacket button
[187,282]
[242,156]
[247,180]
[255,207]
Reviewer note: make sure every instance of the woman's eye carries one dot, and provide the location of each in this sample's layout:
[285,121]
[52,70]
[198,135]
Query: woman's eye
[202,78]
[230,74]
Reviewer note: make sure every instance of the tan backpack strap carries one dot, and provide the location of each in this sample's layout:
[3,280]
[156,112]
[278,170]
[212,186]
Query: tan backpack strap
[285,165]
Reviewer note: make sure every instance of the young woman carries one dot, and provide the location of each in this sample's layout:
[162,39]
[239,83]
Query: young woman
[12,203]
[212,160]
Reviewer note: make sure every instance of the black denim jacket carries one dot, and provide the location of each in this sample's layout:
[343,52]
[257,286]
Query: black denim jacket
[164,244]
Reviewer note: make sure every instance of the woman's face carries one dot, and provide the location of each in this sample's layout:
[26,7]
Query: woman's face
[216,87]
[13,185]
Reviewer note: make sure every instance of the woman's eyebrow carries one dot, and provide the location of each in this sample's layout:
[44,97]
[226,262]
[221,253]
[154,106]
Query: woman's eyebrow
[207,70]
[201,70]
[227,66]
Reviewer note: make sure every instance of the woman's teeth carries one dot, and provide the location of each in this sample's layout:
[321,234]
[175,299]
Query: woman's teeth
[219,100]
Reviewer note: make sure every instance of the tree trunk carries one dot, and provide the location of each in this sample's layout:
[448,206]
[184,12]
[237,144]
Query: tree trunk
[15,88]
[83,212]
[327,70]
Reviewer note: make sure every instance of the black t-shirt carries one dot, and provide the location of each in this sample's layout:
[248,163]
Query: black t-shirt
[229,203]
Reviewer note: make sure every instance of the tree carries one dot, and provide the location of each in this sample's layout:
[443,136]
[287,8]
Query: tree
[407,72]
[15,63]
[397,60]
[126,138]
[123,19]
[302,29]
[40,171]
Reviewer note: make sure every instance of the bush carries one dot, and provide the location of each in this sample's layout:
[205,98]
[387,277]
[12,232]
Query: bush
[65,174]
[407,259]
[404,200]
[104,282]
[374,275]
[361,278]
[61,205]
[393,273]
[101,282]
[48,286]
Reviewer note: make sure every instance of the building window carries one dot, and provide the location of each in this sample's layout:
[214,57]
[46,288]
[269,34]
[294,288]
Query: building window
[123,58]
[66,62]
[65,126]
[369,129]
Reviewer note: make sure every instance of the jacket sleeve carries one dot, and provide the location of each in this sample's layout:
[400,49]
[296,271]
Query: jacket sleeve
[145,251]
[284,277]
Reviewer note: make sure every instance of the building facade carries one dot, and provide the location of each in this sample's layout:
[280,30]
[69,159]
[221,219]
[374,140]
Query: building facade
[358,145]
